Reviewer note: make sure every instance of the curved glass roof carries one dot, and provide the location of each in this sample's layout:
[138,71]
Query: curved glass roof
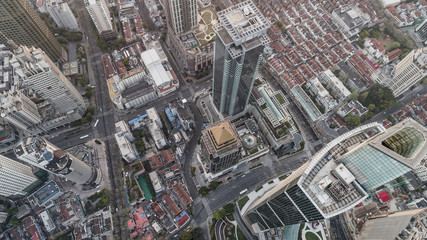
[405,142]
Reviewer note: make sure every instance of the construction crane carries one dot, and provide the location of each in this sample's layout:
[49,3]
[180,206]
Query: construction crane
[406,181]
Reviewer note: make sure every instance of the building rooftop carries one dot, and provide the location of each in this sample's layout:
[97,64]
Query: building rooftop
[48,192]
[242,21]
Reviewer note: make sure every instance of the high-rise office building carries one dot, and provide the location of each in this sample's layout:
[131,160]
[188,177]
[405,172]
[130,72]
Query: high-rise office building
[19,110]
[38,152]
[14,177]
[405,74]
[40,74]
[339,176]
[61,14]
[100,14]
[20,22]
[181,15]
[221,147]
[241,36]
[421,31]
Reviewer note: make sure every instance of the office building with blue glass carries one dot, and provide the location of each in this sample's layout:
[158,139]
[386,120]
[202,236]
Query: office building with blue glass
[241,36]
[339,176]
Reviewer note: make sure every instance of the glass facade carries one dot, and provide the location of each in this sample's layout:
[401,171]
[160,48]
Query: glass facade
[234,77]
[405,142]
[286,208]
[372,167]
[20,23]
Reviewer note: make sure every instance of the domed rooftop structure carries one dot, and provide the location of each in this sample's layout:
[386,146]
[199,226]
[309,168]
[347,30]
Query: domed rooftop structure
[249,141]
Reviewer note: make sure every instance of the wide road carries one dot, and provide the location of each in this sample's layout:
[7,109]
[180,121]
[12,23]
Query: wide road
[230,190]
[106,123]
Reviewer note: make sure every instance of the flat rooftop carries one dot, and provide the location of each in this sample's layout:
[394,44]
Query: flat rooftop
[242,21]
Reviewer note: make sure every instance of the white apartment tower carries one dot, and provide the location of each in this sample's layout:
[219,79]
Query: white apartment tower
[39,73]
[19,110]
[14,177]
[406,73]
[98,11]
[42,154]
[61,14]
[182,14]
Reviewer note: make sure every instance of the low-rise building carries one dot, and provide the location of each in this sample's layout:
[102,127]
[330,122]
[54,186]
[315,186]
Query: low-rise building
[154,125]
[334,84]
[3,217]
[351,19]
[157,184]
[159,72]
[354,107]
[47,221]
[125,140]
[46,195]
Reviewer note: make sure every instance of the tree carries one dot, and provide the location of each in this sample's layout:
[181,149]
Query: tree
[91,109]
[371,107]
[88,92]
[126,61]
[213,185]
[144,25]
[229,208]
[364,34]
[354,95]
[14,221]
[119,42]
[186,236]
[197,234]
[395,45]
[204,191]
[219,214]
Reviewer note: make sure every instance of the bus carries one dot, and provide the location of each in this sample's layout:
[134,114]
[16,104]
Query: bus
[96,123]
[243,192]
[85,136]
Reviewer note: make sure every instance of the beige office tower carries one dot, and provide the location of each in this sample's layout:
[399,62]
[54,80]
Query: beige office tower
[40,74]
[98,11]
[43,154]
[19,110]
[15,177]
[20,22]
[405,74]
[181,15]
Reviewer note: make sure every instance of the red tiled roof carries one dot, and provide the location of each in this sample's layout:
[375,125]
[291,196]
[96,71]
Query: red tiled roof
[171,204]
[377,45]
[167,156]
[182,194]
[384,197]
[394,54]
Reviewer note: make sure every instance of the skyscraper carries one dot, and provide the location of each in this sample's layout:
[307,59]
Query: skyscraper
[221,147]
[181,14]
[14,177]
[240,41]
[100,14]
[43,154]
[61,14]
[40,74]
[19,110]
[339,176]
[405,74]
[20,22]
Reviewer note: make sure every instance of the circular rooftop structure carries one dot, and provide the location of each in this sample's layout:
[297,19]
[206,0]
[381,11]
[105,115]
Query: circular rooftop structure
[249,141]
[48,156]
